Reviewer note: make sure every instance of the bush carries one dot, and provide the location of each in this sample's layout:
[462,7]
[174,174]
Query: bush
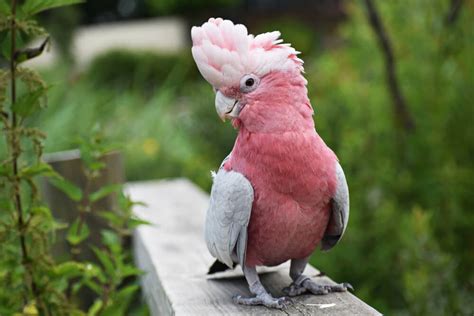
[410,206]
[147,71]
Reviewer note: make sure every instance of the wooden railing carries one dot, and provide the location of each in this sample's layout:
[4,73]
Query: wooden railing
[173,254]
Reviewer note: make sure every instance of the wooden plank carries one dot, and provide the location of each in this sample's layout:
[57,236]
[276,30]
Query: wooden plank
[173,253]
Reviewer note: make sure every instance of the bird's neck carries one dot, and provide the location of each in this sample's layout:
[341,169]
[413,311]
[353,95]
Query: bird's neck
[278,119]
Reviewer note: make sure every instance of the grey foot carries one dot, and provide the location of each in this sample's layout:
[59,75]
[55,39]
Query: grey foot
[309,285]
[264,299]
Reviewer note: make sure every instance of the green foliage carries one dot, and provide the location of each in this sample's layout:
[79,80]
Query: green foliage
[410,217]
[72,191]
[33,7]
[299,34]
[34,283]
[156,127]
[408,247]
[141,70]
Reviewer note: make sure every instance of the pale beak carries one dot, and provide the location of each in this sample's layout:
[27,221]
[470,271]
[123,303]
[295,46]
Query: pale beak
[226,107]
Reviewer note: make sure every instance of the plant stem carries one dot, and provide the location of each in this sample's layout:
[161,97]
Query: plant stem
[15,147]
[15,153]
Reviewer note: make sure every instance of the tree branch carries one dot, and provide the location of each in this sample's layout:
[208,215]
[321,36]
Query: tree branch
[399,103]
[453,12]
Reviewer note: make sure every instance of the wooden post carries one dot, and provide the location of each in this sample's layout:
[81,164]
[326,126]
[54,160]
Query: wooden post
[173,254]
[69,165]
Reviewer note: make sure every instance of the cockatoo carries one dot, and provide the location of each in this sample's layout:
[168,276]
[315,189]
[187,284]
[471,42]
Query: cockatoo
[281,191]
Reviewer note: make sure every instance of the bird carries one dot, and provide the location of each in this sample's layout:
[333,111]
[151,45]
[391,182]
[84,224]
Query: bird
[281,192]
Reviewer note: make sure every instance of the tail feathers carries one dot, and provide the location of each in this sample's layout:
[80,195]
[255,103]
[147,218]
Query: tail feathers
[218,266]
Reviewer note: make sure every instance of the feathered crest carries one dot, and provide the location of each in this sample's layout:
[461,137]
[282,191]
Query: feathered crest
[224,52]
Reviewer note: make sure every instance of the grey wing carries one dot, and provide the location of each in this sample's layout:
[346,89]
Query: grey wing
[228,216]
[339,212]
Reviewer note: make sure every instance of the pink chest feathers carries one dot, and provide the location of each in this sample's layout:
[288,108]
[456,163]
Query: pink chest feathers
[293,176]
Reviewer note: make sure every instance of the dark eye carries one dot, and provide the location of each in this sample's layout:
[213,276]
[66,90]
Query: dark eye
[249,83]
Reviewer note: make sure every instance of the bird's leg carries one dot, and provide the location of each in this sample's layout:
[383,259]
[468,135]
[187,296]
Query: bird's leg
[302,283]
[262,297]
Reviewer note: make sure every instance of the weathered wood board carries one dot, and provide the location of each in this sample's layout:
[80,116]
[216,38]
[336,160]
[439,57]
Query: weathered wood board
[174,256]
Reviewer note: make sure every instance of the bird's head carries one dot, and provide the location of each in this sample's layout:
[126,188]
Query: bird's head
[256,78]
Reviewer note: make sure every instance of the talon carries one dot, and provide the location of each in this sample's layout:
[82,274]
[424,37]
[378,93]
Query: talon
[309,285]
[348,286]
[264,299]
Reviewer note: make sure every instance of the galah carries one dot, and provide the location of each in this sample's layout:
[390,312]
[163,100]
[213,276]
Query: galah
[281,191]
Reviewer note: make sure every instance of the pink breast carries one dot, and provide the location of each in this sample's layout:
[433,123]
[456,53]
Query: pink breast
[293,177]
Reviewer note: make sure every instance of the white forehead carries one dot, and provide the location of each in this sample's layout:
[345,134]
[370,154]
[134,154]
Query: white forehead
[224,52]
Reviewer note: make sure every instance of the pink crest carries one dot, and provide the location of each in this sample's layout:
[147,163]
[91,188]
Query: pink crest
[224,52]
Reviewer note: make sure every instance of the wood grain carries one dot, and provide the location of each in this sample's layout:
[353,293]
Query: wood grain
[173,253]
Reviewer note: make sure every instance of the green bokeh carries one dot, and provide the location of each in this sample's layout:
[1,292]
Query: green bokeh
[409,248]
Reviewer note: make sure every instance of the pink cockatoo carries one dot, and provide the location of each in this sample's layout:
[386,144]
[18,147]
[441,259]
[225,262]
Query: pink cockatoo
[281,191]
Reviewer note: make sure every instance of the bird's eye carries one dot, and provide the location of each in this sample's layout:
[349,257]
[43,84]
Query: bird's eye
[249,83]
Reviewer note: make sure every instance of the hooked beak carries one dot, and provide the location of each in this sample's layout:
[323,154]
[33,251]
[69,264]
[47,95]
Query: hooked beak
[226,107]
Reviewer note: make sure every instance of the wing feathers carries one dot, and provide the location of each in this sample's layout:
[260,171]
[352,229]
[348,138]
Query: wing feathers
[228,216]
[339,212]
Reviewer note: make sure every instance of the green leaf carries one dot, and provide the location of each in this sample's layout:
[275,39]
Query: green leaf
[41,210]
[77,233]
[96,165]
[4,8]
[69,269]
[104,260]
[32,7]
[112,218]
[29,53]
[3,171]
[93,271]
[72,191]
[41,168]
[60,225]
[129,270]
[121,301]
[127,291]
[93,286]
[41,217]
[95,308]
[104,191]
[134,222]
[28,102]
[113,242]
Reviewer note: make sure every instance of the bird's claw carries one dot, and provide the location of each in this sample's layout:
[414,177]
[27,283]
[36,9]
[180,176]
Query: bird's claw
[264,299]
[310,286]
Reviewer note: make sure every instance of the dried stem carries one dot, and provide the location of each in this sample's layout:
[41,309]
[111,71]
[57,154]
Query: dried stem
[400,106]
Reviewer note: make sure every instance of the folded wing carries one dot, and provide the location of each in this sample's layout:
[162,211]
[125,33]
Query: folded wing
[339,212]
[228,216]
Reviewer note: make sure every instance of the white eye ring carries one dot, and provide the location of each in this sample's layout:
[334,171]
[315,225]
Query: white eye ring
[249,83]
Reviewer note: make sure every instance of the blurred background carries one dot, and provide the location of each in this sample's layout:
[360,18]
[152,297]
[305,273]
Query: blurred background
[124,67]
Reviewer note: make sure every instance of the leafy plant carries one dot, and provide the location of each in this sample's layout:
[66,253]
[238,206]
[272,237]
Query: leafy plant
[34,283]
[108,277]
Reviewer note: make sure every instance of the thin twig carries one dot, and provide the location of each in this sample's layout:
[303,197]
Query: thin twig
[400,106]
